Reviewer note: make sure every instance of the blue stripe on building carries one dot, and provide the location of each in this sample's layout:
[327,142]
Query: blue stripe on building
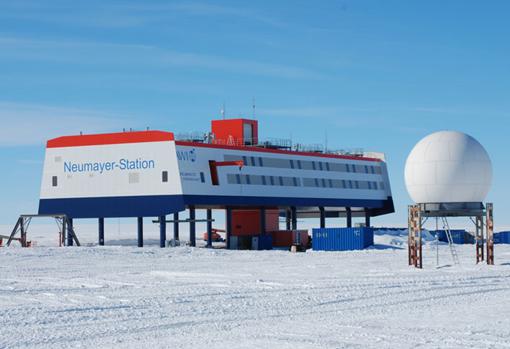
[158,205]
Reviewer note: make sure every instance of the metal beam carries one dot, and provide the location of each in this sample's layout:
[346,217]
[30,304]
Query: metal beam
[14,231]
[349,217]
[367,217]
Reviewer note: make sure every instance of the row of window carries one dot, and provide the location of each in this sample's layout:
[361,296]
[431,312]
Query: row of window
[257,161]
[305,182]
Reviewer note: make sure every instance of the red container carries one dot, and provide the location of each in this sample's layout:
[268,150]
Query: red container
[287,238]
[247,222]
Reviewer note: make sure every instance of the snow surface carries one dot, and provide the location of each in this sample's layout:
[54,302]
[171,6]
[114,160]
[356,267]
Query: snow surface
[129,297]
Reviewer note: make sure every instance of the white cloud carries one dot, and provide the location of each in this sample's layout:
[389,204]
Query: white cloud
[104,53]
[29,124]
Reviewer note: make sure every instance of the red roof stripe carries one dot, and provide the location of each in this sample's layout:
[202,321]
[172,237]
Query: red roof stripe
[110,138]
[276,151]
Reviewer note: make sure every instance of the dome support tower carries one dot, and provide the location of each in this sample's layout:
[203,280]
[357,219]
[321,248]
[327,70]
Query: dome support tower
[419,213]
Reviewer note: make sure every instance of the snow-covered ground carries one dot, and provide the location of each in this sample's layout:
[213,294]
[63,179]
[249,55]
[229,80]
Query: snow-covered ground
[129,297]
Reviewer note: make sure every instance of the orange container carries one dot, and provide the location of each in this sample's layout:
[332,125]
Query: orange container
[247,222]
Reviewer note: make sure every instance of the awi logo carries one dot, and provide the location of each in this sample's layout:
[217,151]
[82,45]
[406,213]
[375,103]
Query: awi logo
[187,155]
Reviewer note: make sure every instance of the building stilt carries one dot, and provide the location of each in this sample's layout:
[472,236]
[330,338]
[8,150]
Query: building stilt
[100,224]
[349,217]
[176,226]
[322,217]
[162,231]
[192,226]
[209,228]
[294,217]
[70,232]
[228,225]
[140,231]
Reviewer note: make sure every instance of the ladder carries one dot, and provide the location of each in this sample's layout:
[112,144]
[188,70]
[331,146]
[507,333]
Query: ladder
[453,251]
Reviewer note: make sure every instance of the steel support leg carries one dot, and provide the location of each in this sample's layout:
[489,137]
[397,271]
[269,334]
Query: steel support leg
[176,226]
[162,231]
[192,226]
[140,231]
[287,219]
[70,229]
[479,239]
[294,217]
[414,237]
[228,225]
[101,231]
[63,233]
[23,233]
[262,220]
[209,228]
[322,217]
[367,218]
[348,212]
[490,233]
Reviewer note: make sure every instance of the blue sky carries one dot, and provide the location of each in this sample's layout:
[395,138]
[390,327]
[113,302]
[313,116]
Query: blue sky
[378,75]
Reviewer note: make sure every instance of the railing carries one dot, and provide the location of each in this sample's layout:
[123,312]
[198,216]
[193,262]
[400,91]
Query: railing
[273,143]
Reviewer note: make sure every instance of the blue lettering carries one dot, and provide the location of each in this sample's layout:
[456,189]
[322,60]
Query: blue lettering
[101,167]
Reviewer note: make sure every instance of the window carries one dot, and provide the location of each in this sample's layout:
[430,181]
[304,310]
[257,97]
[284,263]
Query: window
[164,176]
[308,182]
[133,177]
[306,165]
[54,181]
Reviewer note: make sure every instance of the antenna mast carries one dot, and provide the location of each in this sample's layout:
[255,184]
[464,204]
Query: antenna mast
[253,106]
[223,111]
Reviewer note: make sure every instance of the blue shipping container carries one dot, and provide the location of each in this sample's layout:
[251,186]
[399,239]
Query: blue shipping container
[502,237]
[342,239]
[262,242]
[459,236]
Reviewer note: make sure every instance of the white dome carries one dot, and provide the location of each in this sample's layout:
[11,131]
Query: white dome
[448,166]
